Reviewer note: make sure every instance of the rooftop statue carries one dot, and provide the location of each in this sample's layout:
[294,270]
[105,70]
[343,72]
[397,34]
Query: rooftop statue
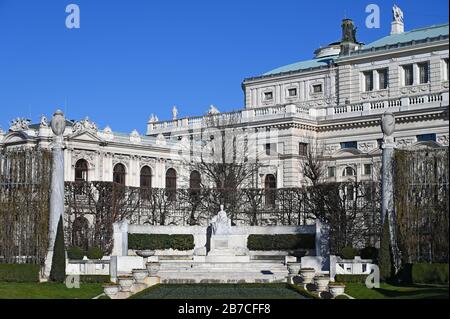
[174,113]
[213,110]
[348,31]
[221,224]
[44,121]
[398,14]
[19,124]
[85,125]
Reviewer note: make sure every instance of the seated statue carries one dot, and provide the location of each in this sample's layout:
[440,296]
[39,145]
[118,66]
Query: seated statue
[221,224]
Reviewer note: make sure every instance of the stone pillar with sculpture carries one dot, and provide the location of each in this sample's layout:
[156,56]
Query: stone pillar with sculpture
[387,178]
[58,125]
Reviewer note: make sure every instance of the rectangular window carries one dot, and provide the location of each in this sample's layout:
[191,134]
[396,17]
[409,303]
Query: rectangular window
[317,88]
[383,79]
[408,71]
[367,169]
[446,70]
[292,92]
[331,171]
[426,138]
[268,96]
[368,81]
[352,144]
[303,149]
[423,72]
[270,149]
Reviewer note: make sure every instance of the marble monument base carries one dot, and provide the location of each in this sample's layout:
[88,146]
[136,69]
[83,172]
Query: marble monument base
[223,250]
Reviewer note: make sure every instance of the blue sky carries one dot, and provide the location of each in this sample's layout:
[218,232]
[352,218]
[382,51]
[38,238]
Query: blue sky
[136,57]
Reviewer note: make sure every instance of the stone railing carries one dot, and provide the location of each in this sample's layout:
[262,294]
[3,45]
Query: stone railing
[301,111]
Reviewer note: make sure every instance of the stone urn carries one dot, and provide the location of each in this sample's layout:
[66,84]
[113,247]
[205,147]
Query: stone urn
[336,289]
[145,253]
[322,283]
[126,283]
[111,290]
[307,275]
[293,268]
[153,268]
[139,275]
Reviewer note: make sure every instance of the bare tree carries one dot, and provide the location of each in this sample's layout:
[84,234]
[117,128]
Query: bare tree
[220,153]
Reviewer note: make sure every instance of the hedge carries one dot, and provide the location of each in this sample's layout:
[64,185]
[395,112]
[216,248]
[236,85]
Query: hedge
[95,279]
[95,253]
[160,242]
[75,253]
[348,252]
[19,273]
[429,273]
[281,242]
[58,270]
[351,278]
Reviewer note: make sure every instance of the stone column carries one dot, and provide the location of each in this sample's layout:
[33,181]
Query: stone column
[387,195]
[387,175]
[58,125]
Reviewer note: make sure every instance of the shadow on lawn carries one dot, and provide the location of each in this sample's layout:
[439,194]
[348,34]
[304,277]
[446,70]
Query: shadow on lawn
[423,292]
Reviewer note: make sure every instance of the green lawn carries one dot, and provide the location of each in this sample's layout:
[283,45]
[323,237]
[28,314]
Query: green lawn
[220,291]
[387,291]
[48,291]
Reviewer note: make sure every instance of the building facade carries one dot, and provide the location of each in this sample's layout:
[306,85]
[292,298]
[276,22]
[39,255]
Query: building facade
[331,104]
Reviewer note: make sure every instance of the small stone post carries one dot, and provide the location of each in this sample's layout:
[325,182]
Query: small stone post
[58,125]
[387,175]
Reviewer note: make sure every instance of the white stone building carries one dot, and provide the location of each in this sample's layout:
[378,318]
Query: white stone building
[332,103]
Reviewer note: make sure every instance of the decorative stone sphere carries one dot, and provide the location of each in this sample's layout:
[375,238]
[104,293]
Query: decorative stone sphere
[388,123]
[58,123]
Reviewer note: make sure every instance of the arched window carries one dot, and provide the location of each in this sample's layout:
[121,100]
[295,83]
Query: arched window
[195,182]
[119,174]
[146,183]
[349,171]
[80,232]
[171,183]
[146,177]
[81,171]
[270,185]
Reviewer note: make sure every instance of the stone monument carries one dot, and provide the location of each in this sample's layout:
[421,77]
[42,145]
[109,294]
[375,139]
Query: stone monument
[227,243]
[387,179]
[58,125]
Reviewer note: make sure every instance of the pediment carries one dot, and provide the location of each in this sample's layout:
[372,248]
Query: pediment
[347,152]
[86,136]
[16,137]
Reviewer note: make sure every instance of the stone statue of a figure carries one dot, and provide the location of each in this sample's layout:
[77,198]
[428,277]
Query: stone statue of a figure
[174,113]
[348,31]
[221,224]
[398,14]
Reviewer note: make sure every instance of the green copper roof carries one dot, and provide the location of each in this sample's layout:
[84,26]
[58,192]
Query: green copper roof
[413,35]
[433,31]
[303,65]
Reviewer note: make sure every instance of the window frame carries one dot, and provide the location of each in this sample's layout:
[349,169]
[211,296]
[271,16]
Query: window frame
[424,72]
[314,86]
[368,75]
[405,68]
